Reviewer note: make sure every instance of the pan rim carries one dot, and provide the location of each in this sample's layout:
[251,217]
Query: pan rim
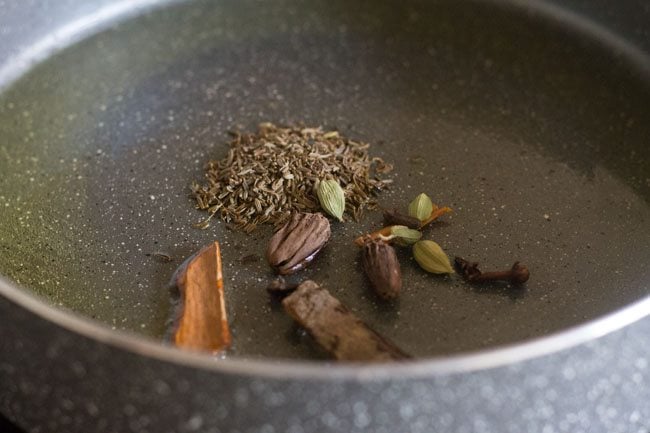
[282,369]
[289,369]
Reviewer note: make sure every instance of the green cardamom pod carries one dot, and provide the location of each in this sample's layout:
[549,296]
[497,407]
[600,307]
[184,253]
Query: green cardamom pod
[421,207]
[431,257]
[331,197]
[404,235]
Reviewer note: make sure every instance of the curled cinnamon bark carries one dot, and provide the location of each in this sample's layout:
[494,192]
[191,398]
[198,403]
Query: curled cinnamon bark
[202,323]
[336,329]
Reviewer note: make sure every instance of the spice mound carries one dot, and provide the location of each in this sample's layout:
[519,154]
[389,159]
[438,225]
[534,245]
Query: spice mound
[273,173]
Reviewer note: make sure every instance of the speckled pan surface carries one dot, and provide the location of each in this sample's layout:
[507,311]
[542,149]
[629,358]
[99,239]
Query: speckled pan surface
[535,134]
[537,139]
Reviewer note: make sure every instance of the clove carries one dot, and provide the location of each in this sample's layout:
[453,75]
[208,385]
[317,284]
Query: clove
[280,287]
[517,274]
[395,217]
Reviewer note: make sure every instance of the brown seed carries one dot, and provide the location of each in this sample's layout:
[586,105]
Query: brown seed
[296,244]
[382,268]
[394,217]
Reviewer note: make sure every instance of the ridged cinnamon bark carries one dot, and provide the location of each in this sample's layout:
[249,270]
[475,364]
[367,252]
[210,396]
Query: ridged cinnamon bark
[202,324]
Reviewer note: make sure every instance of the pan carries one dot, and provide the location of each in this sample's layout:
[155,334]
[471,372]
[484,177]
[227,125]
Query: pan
[528,119]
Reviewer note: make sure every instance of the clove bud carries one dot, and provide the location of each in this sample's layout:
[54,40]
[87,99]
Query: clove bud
[516,275]
[395,217]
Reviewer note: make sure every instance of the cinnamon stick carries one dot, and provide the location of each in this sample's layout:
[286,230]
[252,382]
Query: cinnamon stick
[202,324]
[336,329]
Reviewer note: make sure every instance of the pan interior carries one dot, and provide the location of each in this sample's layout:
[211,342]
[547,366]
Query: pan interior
[536,135]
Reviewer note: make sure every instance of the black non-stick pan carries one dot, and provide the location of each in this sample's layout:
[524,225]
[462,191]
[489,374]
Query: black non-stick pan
[530,121]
